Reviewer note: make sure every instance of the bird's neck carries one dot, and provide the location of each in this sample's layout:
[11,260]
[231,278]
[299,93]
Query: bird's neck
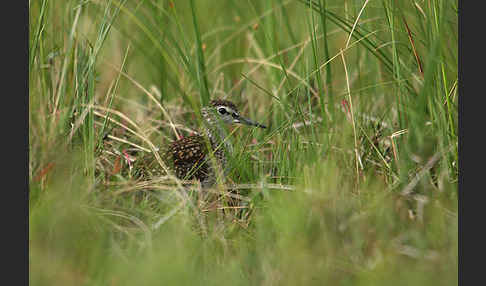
[215,130]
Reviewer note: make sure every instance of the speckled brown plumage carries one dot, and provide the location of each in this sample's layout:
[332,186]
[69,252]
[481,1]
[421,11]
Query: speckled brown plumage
[187,157]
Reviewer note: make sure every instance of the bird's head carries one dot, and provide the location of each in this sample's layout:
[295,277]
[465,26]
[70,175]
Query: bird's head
[227,112]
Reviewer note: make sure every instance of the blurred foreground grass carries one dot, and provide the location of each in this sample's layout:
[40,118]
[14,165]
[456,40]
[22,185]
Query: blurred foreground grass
[353,183]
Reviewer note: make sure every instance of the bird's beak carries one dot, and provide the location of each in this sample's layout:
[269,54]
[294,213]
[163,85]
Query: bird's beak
[247,121]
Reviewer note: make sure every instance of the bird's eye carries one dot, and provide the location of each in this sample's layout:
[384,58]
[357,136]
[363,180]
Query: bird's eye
[222,111]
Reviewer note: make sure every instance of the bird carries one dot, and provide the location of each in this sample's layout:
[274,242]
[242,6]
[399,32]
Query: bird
[190,157]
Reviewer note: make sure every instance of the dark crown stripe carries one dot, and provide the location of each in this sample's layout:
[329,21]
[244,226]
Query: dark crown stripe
[218,102]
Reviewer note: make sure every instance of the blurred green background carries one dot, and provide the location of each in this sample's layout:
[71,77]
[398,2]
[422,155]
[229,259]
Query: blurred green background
[353,183]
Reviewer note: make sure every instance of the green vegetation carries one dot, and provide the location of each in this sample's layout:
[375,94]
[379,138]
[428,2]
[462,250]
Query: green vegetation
[353,183]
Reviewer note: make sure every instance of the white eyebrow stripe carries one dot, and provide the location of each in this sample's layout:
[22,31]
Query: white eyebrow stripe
[228,109]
